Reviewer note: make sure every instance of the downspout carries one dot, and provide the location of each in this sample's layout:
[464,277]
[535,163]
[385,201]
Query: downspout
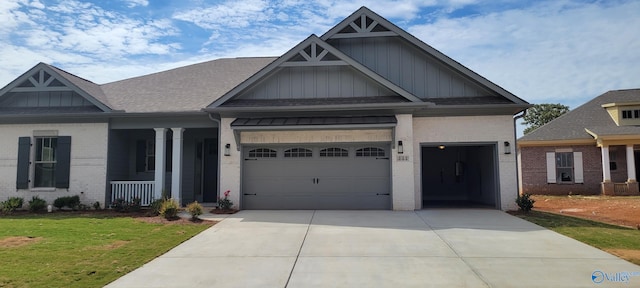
[515,144]
[219,147]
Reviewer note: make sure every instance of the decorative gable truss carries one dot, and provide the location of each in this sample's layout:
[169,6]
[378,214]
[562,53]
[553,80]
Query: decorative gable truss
[313,55]
[363,26]
[43,89]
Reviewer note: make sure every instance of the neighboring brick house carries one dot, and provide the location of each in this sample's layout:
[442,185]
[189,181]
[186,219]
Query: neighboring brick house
[365,116]
[566,155]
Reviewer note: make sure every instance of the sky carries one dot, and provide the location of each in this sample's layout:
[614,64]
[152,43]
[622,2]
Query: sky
[542,51]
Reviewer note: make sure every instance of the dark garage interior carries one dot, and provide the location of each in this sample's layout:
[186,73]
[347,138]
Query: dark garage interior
[459,176]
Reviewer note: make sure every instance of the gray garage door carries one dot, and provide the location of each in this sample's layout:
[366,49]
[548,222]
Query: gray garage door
[321,177]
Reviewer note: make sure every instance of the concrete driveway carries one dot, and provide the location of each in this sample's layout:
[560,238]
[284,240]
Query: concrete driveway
[428,248]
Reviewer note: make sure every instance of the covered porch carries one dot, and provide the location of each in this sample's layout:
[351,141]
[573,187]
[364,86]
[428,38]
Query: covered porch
[150,159]
[619,172]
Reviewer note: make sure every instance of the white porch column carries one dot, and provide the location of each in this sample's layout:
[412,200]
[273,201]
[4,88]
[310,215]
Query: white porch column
[631,164]
[606,170]
[176,165]
[161,147]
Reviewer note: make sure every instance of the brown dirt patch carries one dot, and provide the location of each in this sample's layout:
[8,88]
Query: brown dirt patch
[18,241]
[630,255]
[617,210]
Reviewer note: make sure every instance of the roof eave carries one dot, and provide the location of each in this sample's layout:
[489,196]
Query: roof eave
[556,142]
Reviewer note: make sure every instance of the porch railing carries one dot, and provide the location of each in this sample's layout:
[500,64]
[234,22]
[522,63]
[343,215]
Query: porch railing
[620,189]
[128,190]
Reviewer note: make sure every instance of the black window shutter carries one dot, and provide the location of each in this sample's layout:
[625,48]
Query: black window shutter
[141,155]
[24,149]
[63,161]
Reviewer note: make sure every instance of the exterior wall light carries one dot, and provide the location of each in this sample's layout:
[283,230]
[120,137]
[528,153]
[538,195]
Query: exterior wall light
[441,147]
[507,147]
[400,147]
[227,149]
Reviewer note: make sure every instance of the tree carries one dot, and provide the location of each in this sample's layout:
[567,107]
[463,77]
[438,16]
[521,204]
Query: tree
[541,114]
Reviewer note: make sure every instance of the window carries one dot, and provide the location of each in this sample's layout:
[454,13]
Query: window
[45,161]
[298,153]
[262,153]
[334,152]
[146,155]
[630,114]
[370,152]
[564,167]
[150,156]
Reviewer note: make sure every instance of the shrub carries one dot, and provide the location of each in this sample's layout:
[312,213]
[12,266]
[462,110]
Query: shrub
[59,203]
[154,208]
[169,209]
[195,209]
[37,205]
[135,204]
[12,204]
[96,205]
[72,202]
[525,202]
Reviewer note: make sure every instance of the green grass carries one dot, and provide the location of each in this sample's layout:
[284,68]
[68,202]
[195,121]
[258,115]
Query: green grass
[600,235]
[81,250]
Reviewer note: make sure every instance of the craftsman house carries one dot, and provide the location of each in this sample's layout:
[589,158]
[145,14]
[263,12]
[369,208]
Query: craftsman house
[365,116]
[593,149]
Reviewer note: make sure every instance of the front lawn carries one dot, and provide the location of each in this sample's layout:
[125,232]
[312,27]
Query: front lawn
[620,241]
[80,250]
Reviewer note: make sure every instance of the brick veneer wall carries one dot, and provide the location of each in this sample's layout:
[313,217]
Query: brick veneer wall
[534,171]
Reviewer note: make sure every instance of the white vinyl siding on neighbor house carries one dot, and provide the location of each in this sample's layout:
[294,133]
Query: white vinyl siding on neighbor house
[565,167]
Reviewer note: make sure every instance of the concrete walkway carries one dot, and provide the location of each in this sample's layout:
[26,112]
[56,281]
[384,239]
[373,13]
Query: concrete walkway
[428,248]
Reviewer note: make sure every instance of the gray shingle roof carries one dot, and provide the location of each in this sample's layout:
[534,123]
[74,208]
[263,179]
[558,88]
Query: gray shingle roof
[591,115]
[91,88]
[184,89]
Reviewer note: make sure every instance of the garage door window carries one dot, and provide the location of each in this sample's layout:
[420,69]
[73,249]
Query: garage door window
[334,152]
[370,152]
[262,153]
[298,153]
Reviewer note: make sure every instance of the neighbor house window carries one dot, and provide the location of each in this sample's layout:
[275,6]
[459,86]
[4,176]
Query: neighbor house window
[564,167]
[629,114]
[45,161]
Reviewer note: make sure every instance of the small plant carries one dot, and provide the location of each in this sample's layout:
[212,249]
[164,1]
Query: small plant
[525,202]
[169,209]
[96,205]
[12,204]
[37,204]
[225,203]
[195,209]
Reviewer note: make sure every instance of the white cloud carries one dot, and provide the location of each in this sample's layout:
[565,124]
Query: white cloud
[135,3]
[555,51]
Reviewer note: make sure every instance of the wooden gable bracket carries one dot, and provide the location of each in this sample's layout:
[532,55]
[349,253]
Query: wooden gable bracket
[364,26]
[41,81]
[313,55]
